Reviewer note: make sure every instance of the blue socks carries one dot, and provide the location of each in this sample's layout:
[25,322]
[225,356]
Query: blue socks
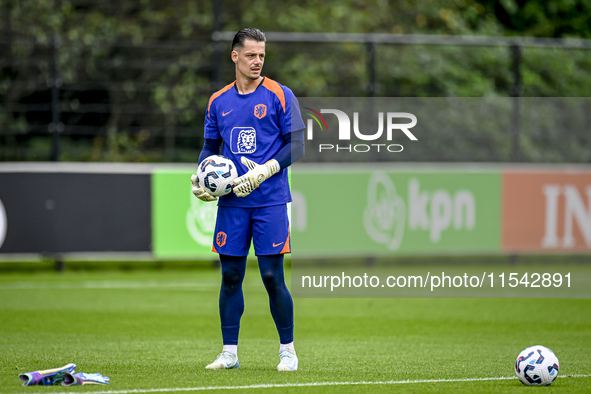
[232,298]
[271,268]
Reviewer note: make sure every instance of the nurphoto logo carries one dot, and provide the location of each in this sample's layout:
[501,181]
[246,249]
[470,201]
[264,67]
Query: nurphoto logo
[392,126]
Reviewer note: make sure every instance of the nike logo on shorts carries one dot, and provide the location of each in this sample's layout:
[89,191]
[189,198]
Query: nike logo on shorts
[276,245]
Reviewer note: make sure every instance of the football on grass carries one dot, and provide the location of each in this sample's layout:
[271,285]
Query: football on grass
[216,174]
[536,366]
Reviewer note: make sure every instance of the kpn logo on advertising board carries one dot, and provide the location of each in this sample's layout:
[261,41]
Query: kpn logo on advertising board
[393,210]
[387,214]
[355,136]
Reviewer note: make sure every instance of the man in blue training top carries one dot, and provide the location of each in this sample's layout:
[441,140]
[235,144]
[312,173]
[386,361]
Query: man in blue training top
[250,121]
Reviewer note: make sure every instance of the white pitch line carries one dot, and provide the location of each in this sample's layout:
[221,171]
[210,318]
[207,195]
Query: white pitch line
[311,384]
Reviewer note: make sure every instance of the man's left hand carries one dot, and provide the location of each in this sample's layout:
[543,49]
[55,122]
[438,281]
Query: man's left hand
[256,175]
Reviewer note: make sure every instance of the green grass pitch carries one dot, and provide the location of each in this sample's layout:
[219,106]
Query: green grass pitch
[155,330]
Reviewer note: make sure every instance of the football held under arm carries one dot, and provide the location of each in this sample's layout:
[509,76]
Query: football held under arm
[210,147]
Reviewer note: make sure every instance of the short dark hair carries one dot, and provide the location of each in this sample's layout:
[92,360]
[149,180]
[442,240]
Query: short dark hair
[247,33]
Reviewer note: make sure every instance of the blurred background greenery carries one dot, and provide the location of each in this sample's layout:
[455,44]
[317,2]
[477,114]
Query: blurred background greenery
[129,80]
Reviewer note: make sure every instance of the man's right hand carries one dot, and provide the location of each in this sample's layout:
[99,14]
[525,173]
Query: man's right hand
[200,192]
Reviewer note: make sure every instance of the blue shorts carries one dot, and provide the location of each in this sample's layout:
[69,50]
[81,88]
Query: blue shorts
[267,226]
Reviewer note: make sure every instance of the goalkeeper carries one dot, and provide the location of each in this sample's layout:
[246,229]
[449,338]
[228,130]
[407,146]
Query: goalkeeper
[251,122]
